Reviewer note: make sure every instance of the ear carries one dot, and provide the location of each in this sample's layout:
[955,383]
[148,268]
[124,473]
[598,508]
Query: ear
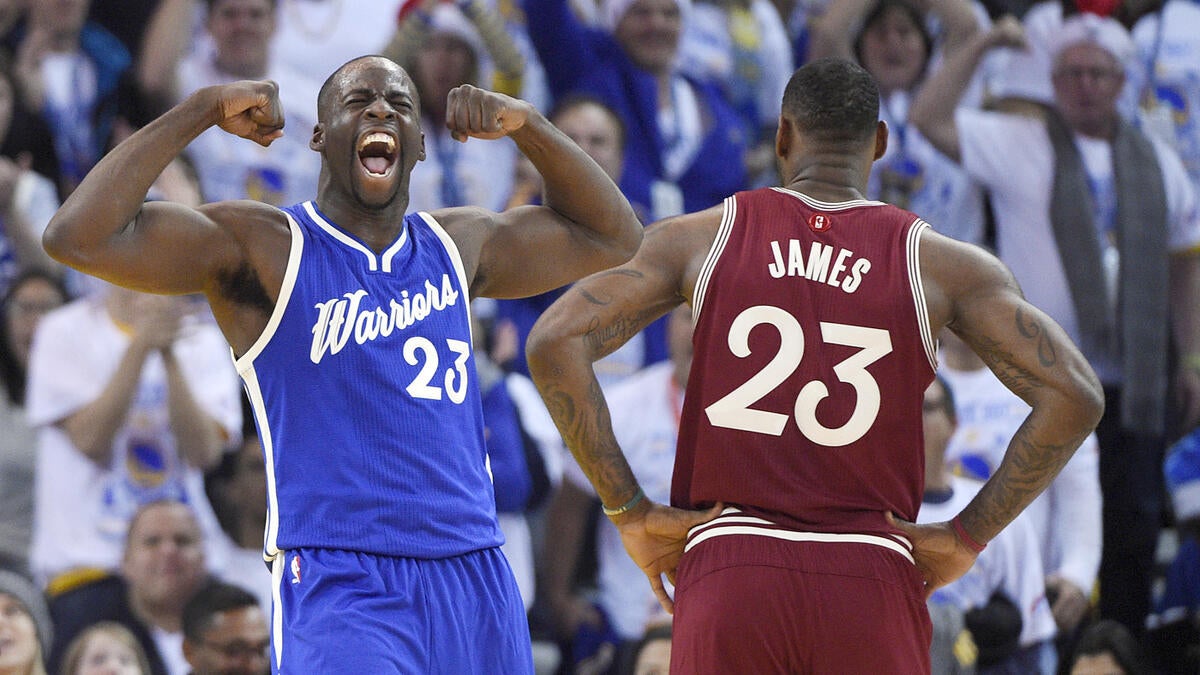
[881,139]
[421,155]
[783,137]
[189,652]
[317,142]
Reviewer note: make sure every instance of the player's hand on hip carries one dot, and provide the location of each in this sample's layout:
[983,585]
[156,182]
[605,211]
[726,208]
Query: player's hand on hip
[472,112]
[654,536]
[937,551]
[251,109]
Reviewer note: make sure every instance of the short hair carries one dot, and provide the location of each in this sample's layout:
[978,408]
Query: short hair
[579,100]
[212,599]
[328,85]
[834,99]
[880,11]
[1110,637]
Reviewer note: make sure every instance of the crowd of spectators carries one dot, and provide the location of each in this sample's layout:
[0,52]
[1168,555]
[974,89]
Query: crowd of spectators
[1058,133]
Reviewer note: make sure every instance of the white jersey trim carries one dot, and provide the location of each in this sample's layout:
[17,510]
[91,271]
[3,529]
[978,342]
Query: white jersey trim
[456,259]
[259,406]
[342,237]
[290,273]
[827,206]
[724,230]
[277,610]
[731,522]
[913,250]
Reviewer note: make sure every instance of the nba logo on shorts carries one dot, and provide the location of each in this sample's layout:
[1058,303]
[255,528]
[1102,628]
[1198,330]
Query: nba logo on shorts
[296,570]
[819,222]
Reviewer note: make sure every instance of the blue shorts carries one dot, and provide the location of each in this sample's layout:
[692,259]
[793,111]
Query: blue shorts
[343,612]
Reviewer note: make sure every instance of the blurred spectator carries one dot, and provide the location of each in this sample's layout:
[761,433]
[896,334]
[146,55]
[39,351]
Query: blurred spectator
[162,567]
[1010,565]
[31,296]
[1174,627]
[685,146]
[523,447]
[242,32]
[239,494]
[597,129]
[441,48]
[135,397]
[105,648]
[653,653]
[1099,226]
[77,77]
[1108,648]
[1066,516]
[895,41]
[743,46]
[127,20]
[644,408]
[27,198]
[318,36]
[26,631]
[1168,79]
[225,632]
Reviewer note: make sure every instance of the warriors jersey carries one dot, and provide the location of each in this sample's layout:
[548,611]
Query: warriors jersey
[365,396]
[812,354]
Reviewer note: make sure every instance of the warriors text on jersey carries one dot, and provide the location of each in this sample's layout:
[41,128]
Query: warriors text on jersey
[812,354]
[365,396]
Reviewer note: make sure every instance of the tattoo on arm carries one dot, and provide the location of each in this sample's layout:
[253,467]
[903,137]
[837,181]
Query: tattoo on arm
[1033,330]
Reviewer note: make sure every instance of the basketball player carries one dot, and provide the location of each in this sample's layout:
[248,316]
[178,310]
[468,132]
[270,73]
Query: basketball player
[349,324]
[815,316]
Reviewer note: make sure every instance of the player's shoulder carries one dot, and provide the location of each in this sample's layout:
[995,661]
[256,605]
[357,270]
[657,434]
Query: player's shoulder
[242,214]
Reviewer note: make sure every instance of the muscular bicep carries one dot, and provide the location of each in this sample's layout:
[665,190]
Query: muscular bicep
[533,249]
[166,248]
[1029,352]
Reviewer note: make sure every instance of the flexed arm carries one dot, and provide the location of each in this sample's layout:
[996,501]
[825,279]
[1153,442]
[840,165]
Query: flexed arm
[105,229]
[584,225]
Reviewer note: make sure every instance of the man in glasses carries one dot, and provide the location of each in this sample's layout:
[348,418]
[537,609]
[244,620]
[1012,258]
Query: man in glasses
[225,632]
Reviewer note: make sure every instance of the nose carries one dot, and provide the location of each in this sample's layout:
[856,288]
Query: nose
[380,109]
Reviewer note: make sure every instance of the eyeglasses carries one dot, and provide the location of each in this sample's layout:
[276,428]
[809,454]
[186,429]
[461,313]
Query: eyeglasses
[1098,73]
[239,649]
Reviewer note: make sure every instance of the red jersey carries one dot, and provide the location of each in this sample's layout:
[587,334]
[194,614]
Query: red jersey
[812,354]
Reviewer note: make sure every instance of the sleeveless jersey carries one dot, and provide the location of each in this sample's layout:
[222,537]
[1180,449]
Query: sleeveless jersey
[812,355]
[365,396]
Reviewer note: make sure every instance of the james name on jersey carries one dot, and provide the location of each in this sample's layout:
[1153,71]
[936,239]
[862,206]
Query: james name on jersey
[822,265]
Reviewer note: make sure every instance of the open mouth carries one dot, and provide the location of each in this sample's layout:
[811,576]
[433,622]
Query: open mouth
[377,153]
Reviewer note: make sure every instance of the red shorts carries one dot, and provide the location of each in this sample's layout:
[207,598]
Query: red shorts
[749,603]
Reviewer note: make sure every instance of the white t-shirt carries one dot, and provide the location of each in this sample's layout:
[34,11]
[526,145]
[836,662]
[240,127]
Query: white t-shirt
[1067,515]
[1010,563]
[318,36]
[645,411]
[1170,68]
[82,510]
[1011,155]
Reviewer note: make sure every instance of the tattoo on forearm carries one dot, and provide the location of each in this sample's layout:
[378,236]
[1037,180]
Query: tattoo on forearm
[604,338]
[1030,469]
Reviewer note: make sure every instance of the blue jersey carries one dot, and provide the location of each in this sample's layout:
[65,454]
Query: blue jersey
[366,399]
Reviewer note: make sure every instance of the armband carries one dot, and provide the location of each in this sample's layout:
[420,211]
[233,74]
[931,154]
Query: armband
[627,506]
[966,538]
